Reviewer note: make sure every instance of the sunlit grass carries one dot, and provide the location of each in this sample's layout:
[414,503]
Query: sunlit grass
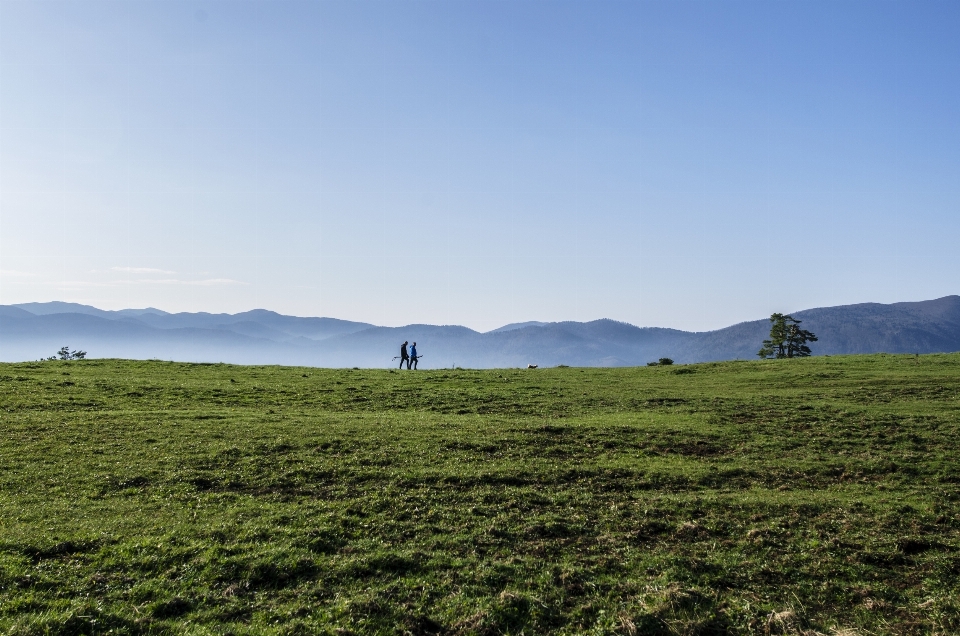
[744,497]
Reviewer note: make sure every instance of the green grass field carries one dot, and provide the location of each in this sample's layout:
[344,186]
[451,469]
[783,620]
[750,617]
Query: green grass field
[795,496]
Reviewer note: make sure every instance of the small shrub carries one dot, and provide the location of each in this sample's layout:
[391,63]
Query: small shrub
[66,354]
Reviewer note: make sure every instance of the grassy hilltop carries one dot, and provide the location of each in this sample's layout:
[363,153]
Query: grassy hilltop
[817,495]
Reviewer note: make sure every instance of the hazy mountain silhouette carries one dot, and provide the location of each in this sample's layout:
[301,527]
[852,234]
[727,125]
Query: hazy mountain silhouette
[518,325]
[57,307]
[34,330]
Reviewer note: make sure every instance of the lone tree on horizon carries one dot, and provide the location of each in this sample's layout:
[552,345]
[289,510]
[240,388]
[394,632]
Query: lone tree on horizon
[787,339]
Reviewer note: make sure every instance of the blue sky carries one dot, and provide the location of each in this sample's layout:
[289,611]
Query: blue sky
[683,164]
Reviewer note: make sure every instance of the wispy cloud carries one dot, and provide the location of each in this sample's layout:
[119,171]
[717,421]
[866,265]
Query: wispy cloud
[79,284]
[141,270]
[13,272]
[177,281]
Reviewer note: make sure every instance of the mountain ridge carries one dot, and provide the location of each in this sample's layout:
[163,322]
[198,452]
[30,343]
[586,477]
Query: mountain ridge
[262,336]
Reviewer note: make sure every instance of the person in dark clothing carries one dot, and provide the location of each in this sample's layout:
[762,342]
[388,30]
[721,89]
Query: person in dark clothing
[404,357]
[413,357]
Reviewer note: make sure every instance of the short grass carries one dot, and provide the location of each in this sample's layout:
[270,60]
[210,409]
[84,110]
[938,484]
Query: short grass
[818,495]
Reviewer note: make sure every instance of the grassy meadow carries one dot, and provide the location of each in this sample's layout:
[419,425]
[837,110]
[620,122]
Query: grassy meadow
[815,495]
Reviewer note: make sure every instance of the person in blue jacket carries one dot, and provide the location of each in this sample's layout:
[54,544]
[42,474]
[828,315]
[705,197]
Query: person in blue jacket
[413,357]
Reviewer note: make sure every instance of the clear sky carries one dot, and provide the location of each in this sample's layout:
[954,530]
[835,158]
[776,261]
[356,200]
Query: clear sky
[682,164]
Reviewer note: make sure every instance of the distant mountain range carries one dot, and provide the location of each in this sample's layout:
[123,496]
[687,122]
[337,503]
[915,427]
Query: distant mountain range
[31,331]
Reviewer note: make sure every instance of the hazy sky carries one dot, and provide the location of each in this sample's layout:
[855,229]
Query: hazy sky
[684,164]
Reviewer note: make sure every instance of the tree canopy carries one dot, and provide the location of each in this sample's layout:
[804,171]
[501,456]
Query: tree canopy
[787,339]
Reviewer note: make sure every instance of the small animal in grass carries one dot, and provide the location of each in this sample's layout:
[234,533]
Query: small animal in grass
[531,366]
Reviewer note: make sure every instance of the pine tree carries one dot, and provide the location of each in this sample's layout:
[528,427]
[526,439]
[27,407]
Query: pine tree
[787,339]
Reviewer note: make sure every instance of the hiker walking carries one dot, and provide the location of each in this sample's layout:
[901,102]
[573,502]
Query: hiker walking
[413,357]
[404,357]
